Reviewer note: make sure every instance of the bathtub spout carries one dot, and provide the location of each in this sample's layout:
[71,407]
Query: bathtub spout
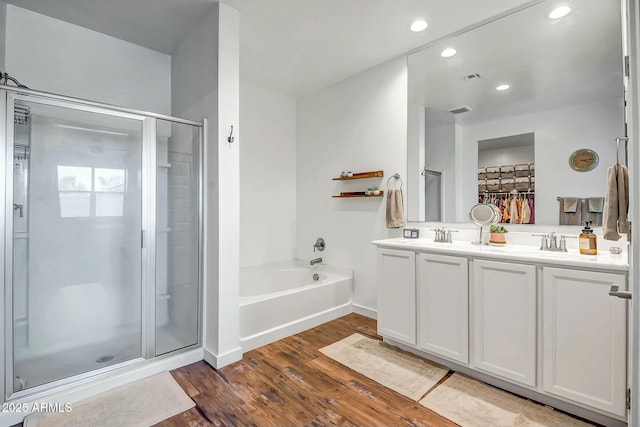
[315,261]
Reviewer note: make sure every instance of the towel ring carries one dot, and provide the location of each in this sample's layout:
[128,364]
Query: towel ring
[397,177]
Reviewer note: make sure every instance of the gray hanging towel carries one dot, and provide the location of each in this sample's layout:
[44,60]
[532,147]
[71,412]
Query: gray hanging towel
[569,210]
[592,210]
[395,208]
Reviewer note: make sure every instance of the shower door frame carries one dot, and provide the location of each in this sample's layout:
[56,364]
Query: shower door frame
[148,121]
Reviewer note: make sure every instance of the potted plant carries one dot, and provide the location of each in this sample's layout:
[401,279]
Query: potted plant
[498,235]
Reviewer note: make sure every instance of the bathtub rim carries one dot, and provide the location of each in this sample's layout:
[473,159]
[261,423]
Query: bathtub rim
[334,275]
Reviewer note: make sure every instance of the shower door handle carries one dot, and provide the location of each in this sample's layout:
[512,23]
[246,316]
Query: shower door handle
[17,207]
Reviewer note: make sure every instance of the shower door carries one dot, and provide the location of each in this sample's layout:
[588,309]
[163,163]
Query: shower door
[76,176]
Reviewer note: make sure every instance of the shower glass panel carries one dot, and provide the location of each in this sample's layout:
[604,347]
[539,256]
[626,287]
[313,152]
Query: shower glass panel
[177,230]
[77,257]
[432,195]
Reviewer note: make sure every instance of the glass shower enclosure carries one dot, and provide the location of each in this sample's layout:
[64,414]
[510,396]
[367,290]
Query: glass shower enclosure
[101,238]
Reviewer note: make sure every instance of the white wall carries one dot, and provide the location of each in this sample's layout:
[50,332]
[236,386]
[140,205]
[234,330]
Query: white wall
[359,124]
[205,67]
[3,34]
[558,133]
[267,176]
[54,56]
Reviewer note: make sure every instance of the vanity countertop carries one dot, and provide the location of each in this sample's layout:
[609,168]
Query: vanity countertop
[510,252]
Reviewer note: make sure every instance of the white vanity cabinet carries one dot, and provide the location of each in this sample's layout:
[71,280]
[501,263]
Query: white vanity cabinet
[397,295]
[442,284]
[504,320]
[540,324]
[584,332]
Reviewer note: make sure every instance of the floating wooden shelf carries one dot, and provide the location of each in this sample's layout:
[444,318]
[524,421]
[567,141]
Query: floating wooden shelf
[361,175]
[344,195]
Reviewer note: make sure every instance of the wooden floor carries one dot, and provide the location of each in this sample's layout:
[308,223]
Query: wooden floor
[290,383]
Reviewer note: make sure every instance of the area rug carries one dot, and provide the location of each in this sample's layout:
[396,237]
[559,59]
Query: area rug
[403,373]
[139,404]
[471,403]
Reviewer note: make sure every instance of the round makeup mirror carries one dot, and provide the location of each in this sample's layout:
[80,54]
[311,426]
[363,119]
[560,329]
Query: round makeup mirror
[484,214]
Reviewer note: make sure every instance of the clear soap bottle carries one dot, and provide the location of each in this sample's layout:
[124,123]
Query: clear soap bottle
[588,241]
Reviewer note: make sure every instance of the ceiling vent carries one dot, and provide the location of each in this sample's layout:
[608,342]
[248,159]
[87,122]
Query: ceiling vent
[460,110]
[472,76]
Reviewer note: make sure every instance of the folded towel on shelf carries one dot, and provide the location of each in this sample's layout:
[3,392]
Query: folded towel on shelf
[616,204]
[570,204]
[395,208]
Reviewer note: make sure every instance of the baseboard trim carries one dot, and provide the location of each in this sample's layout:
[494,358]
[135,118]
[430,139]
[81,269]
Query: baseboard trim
[365,311]
[100,384]
[220,360]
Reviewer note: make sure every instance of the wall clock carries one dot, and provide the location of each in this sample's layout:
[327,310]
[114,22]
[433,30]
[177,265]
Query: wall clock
[583,160]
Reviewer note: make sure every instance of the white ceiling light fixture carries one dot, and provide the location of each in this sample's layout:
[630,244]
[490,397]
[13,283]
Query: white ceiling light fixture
[559,12]
[419,25]
[502,87]
[448,52]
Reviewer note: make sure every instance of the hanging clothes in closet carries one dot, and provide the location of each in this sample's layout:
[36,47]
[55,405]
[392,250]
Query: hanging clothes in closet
[515,208]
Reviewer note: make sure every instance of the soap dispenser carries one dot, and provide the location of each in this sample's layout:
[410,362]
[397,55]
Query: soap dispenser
[588,241]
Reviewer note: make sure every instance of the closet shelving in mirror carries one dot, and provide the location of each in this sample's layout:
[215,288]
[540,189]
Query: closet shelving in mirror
[359,175]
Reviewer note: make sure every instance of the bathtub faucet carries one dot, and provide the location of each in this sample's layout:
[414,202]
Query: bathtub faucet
[315,261]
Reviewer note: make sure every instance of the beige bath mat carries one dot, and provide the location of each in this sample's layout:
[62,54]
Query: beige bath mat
[408,375]
[471,403]
[139,404]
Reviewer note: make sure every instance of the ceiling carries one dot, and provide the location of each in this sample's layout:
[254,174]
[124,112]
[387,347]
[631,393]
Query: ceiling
[548,64]
[294,47]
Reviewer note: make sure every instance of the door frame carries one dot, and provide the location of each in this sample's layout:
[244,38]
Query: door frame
[631,42]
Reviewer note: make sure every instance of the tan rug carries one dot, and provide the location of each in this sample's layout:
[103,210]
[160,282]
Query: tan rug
[471,403]
[139,404]
[408,375]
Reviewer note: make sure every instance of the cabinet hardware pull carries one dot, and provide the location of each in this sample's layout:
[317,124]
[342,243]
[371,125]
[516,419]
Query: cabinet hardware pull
[615,292]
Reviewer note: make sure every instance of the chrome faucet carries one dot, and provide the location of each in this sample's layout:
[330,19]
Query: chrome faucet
[315,261]
[549,242]
[319,244]
[442,235]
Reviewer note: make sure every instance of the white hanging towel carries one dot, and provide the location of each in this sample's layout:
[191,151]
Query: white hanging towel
[395,208]
[616,203]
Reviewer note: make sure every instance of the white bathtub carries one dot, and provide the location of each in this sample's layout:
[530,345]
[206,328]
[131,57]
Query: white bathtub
[282,299]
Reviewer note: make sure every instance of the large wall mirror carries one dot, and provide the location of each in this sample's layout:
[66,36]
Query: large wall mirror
[521,94]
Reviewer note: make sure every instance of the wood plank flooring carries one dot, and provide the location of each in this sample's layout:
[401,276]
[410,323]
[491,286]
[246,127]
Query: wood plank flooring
[290,383]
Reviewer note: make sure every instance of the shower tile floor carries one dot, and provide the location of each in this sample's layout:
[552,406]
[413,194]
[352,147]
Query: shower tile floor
[34,370]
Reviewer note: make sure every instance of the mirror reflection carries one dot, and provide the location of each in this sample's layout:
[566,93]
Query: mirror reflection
[497,112]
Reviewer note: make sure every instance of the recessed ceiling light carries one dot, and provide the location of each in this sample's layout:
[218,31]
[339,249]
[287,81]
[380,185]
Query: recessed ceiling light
[502,87]
[448,52]
[419,25]
[559,12]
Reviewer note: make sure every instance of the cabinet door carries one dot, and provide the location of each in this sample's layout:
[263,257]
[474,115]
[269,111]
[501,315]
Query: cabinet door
[443,305]
[584,338]
[397,295]
[504,320]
